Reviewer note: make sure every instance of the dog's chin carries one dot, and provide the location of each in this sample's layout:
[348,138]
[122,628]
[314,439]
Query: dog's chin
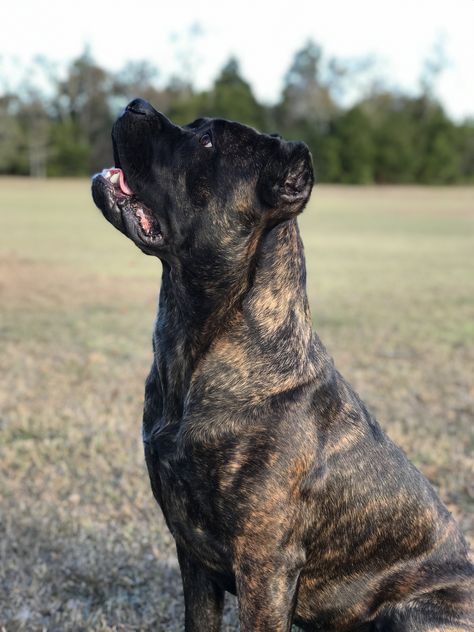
[122,209]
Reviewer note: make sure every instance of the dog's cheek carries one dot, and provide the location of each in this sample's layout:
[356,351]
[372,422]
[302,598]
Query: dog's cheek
[198,189]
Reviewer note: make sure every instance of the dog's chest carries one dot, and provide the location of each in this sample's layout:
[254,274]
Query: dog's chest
[196,512]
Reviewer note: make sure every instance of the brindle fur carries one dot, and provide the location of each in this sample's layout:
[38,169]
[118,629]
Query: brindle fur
[275,480]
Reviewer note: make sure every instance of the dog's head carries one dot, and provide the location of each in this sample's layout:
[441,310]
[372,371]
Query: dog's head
[177,190]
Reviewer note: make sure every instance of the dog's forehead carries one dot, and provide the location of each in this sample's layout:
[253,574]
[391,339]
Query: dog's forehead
[237,131]
[226,129]
[198,123]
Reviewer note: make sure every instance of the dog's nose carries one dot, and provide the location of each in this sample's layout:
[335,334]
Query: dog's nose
[140,106]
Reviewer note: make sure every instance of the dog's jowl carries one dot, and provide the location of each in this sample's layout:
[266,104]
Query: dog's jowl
[276,482]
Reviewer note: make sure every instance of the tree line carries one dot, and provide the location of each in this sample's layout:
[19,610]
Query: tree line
[60,126]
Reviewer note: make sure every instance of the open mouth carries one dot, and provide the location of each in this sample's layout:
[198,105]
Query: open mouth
[117,177]
[123,199]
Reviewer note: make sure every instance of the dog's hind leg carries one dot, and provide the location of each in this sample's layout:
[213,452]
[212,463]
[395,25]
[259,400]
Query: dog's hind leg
[203,598]
[423,618]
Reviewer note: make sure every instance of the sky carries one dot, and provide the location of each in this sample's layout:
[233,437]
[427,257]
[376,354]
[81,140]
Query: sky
[262,35]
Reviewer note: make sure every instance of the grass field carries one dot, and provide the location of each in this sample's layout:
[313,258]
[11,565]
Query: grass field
[82,544]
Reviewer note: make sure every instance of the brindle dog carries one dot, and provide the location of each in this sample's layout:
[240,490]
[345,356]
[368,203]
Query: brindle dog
[275,480]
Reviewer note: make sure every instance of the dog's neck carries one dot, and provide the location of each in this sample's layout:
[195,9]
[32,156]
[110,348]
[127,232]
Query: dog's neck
[257,313]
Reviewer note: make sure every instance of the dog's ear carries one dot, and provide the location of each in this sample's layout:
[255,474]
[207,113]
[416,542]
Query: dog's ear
[286,180]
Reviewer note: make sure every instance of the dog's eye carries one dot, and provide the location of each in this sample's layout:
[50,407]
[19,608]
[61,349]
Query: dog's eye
[206,140]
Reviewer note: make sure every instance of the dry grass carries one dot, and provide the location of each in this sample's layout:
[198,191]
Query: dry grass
[82,544]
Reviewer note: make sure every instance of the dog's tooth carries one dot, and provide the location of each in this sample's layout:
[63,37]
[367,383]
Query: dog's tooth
[107,175]
[114,178]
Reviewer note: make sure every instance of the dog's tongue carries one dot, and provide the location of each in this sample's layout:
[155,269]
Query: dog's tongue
[123,185]
[117,177]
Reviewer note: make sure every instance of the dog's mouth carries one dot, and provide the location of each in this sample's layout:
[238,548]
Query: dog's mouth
[122,208]
[117,177]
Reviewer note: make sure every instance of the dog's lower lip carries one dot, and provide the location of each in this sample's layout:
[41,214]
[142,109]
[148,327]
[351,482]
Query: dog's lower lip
[127,202]
[145,222]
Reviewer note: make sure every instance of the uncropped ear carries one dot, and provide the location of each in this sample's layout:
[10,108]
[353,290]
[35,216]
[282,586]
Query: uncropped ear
[287,179]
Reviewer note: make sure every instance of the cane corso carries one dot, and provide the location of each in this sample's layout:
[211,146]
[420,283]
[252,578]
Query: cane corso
[276,482]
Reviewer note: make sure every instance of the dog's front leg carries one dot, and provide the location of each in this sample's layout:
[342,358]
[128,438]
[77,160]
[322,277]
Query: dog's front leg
[203,598]
[267,596]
